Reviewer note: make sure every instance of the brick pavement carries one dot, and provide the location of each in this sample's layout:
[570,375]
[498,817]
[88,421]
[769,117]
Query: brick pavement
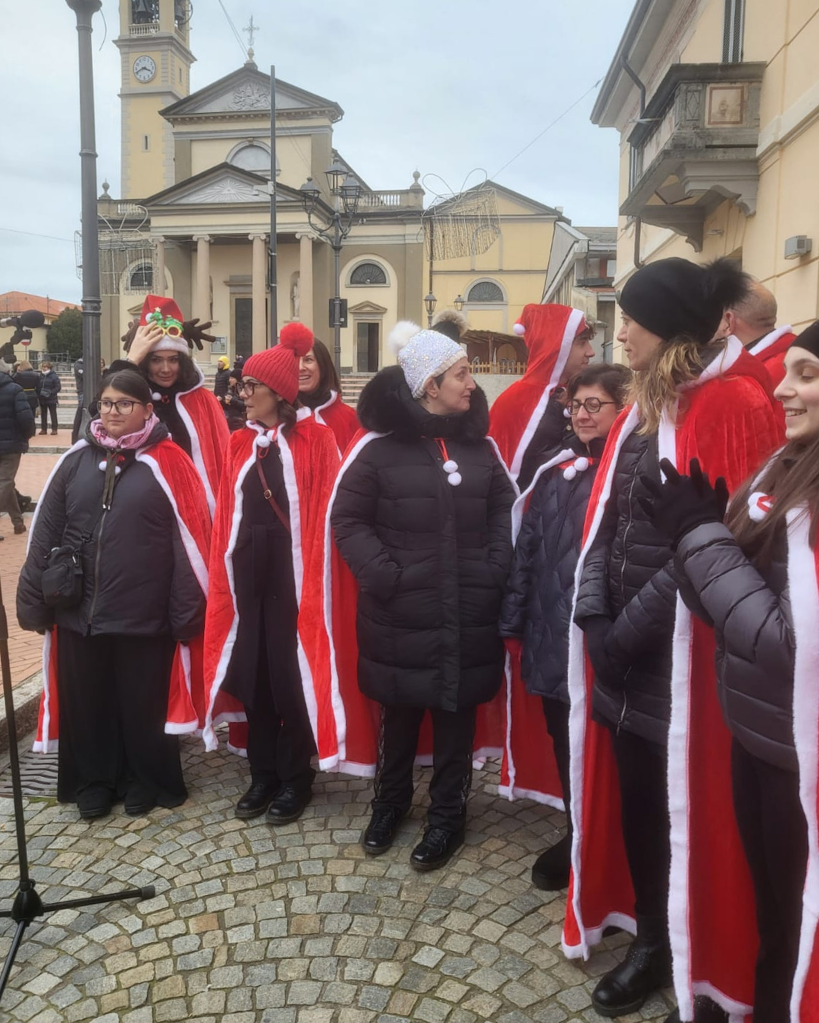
[294,925]
[24,647]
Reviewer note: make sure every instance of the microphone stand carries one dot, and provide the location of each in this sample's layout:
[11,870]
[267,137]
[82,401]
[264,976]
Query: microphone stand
[27,903]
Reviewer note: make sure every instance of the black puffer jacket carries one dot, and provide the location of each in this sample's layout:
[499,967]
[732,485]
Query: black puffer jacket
[29,380]
[537,607]
[17,421]
[750,610]
[628,577]
[431,559]
[137,580]
[50,387]
[553,432]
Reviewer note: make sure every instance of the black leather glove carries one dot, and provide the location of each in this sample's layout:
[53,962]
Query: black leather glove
[606,657]
[683,502]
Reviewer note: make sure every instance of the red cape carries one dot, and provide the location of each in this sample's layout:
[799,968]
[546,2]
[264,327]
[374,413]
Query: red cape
[349,720]
[310,462]
[517,411]
[341,419]
[771,349]
[528,767]
[180,483]
[730,424]
[208,431]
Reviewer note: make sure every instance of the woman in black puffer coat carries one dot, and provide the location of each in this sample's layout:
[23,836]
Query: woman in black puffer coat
[537,608]
[422,517]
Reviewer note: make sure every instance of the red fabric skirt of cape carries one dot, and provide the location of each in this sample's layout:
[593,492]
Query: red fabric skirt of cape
[173,471]
[310,463]
[728,421]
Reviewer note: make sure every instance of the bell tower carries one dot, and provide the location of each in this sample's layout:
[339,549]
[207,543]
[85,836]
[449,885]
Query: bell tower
[156,63]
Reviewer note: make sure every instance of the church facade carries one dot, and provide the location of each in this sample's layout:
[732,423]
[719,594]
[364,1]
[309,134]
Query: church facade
[193,216]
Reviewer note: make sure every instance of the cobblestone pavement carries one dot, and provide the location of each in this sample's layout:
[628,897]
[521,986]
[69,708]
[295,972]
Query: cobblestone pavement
[252,924]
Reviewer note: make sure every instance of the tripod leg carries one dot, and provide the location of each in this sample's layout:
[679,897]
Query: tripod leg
[148,892]
[15,946]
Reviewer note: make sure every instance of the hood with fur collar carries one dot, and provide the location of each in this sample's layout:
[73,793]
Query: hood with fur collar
[386,406]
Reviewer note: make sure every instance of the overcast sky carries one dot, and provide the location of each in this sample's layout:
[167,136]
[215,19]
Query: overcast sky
[444,86]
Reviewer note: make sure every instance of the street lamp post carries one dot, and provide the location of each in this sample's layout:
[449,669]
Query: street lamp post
[459,303]
[429,304]
[91,302]
[346,192]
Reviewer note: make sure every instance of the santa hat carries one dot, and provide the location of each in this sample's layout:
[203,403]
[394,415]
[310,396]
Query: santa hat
[422,354]
[278,368]
[165,313]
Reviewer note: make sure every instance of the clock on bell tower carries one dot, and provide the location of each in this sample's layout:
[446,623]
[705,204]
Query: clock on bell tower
[155,68]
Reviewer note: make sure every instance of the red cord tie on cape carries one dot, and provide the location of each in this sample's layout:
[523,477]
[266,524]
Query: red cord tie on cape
[453,477]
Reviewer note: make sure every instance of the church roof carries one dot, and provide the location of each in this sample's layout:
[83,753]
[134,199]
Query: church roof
[246,93]
[220,184]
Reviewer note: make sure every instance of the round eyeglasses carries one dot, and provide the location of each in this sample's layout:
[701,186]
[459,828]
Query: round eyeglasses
[124,407]
[591,405]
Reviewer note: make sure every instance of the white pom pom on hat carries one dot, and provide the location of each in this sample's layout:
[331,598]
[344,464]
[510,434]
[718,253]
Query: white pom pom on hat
[518,329]
[401,335]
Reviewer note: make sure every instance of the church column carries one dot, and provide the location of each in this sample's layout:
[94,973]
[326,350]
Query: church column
[202,298]
[306,279]
[159,283]
[259,291]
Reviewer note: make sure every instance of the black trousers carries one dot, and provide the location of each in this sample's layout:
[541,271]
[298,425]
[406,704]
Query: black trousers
[557,724]
[641,768]
[113,700]
[774,835]
[45,410]
[453,735]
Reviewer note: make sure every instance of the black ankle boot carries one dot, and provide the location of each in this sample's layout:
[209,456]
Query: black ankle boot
[288,805]
[256,800]
[705,1011]
[436,848]
[381,830]
[550,872]
[645,969]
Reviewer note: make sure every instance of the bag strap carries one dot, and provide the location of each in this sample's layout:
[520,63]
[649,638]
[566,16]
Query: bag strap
[268,496]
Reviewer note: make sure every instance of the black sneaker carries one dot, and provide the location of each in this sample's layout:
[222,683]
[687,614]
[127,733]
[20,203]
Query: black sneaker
[95,801]
[436,848]
[381,830]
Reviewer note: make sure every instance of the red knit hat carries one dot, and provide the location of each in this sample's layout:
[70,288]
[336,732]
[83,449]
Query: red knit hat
[165,313]
[278,367]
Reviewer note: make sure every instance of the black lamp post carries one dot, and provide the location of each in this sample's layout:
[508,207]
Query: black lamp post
[346,192]
[459,303]
[91,302]
[429,304]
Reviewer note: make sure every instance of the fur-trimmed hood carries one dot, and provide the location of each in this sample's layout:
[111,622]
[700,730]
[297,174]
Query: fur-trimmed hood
[387,406]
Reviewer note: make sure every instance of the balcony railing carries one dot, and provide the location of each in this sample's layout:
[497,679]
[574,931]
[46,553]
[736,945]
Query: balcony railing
[148,28]
[694,146]
[391,200]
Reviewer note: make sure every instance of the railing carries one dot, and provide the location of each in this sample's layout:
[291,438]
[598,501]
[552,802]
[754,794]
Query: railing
[504,366]
[392,200]
[149,28]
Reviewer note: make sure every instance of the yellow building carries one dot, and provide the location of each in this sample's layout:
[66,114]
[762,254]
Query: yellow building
[193,217]
[717,106]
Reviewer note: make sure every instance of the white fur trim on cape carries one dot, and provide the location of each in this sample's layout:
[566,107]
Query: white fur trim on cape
[802,580]
[196,447]
[758,347]
[569,333]
[320,418]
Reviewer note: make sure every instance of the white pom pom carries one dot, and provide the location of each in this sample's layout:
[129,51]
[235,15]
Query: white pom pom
[567,413]
[518,329]
[454,479]
[759,505]
[263,441]
[156,396]
[569,473]
[102,466]
[117,470]
[401,334]
[581,464]
[450,466]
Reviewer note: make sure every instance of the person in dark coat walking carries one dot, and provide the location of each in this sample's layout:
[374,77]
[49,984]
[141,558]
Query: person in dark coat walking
[50,387]
[537,607]
[141,595]
[422,518]
[29,379]
[744,578]
[234,405]
[222,379]
[17,424]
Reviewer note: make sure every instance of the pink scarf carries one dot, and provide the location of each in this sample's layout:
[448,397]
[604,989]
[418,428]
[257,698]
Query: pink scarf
[130,442]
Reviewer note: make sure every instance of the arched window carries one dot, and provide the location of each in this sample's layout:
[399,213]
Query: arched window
[253,157]
[141,277]
[368,273]
[485,291]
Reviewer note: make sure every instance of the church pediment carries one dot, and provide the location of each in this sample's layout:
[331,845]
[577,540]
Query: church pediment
[220,185]
[367,309]
[246,92]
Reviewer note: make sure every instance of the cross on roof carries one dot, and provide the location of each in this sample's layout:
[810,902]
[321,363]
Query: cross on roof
[251,31]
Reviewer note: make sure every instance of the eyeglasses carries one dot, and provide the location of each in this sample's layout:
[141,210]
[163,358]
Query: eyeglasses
[591,405]
[125,406]
[248,387]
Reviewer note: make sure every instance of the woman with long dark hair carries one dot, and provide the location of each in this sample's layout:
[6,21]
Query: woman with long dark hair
[754,579]
[261,646]
[129,505]
[693,397]
[320,390]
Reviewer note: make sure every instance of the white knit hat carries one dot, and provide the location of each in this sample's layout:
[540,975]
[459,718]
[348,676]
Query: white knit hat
[423,354]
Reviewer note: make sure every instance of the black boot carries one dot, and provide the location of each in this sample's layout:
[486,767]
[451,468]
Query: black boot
[436,848]
[550,872]
[705,1011]
[381,830]
[256,800]
[645,969]
[288,805]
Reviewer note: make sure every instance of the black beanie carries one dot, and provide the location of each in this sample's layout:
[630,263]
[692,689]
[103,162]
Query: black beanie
[808,339]
[674,297]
